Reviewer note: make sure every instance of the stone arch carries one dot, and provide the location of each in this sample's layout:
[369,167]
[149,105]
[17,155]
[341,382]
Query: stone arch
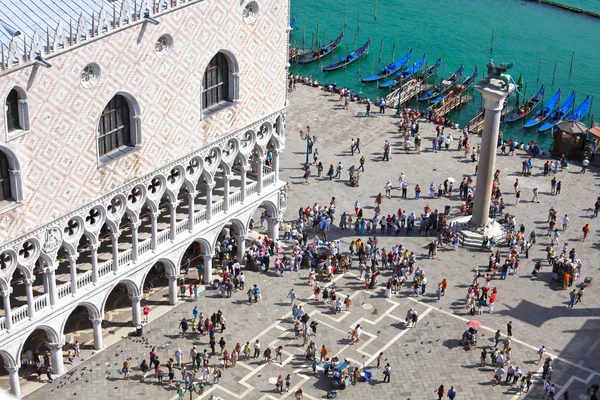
[132,290]
[51,333]
[170,269]
[93,312]
[9,359]
[272,209]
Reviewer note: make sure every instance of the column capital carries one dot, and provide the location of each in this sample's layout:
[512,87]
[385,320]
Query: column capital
[96,321]
[245,168]
[274,220]
[55,346]
[73,257]
[50,270]
[135,225]
[29,281]
[191,195]
[228,177]
[173,278]
[139,297]
[6,292]
[210,186]
[94,246]
[240,238]
[154,215]
[12,369]
[115,235]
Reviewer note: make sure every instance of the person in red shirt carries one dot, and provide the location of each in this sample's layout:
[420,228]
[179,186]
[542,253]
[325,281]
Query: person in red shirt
[492,301]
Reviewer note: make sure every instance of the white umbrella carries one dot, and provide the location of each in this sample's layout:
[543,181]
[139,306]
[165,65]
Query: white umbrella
[451,180]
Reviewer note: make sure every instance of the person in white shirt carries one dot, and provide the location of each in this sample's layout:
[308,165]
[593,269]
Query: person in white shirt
[565,222]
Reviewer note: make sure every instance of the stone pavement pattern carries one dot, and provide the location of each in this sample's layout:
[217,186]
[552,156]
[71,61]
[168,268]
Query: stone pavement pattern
[424,357]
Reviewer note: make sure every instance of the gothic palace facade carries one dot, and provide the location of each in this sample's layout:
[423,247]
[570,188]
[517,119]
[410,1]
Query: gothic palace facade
[130,130]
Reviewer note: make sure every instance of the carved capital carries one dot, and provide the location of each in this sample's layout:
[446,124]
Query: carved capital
[96,321]
[12,370]
[73,257]
[29,281]
[6,292]
[136,298]
[55,346]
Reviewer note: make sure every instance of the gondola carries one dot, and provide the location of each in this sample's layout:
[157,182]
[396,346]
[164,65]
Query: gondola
[558,114]
[349,58]
[321,52]
[444,88]
[527,107]
[580,111]
[389,69]
[543,112]
[467,83]
[406,74]
[429,72]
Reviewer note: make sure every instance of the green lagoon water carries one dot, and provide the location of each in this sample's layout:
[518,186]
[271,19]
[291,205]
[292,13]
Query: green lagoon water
[460,31]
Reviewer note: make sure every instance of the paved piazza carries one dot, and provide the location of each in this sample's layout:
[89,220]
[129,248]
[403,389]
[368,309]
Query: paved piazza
[421,358]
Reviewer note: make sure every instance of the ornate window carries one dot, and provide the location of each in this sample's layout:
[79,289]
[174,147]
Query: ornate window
[163,46]
[10,180]
[90,75]
[118,129]
[216,82]
[5,191]
[16,113]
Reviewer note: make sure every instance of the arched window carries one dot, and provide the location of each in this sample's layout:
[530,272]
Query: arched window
[5,191]
[118,129]
[220,84]
[16,112]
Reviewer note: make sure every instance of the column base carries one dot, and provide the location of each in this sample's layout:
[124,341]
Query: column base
[472,236]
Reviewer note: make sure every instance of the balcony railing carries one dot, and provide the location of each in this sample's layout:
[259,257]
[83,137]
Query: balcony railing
[105,268]
[64,290]
[19,314]
[251,188]
[40,302]
[84,279]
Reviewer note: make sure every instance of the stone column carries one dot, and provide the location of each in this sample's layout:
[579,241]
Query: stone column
[173,211]
[207,277]
[276,163]
[173,289]
[273,229]
[136,309]
[97,327]
[259,174]
[191,210]
[56,356]
[241,248]
[226,182]
[15,385]
[134,240]
[209,190]
[94,248]
[494,102]
[73,272]
[30,298]
[51,279]
[7,309]
[114,237]
[244,179]
[154,222]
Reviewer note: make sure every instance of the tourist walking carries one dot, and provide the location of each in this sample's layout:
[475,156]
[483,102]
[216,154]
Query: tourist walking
[387,372]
